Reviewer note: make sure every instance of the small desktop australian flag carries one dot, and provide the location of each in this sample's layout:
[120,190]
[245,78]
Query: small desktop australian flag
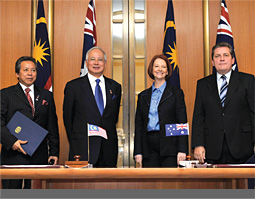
[177,129]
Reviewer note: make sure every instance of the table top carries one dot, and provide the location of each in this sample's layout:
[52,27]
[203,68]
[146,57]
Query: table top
[60,172]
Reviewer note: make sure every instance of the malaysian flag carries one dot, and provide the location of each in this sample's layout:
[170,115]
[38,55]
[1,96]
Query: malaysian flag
[169,48]
[41,51]
[224,32]
[94,130]
[177,129]
[90,34]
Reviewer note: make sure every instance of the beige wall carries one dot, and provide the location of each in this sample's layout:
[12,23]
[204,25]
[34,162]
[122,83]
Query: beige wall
[69,19]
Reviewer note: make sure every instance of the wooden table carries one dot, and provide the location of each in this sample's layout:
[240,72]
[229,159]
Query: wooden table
[132,178]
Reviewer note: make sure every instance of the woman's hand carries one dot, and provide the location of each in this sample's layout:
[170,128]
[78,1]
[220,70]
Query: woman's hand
[138,160]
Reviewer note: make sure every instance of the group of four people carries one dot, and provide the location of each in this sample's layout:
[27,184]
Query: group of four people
[222,130]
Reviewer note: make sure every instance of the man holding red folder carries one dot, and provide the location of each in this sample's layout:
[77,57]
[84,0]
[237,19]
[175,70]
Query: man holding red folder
[38,105]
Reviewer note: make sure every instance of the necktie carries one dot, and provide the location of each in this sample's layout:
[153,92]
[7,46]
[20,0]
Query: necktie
[30,100]
[223,90]
[99,97]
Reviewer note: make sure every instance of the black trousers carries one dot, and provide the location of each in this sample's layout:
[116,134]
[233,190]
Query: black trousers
[226,156]
[155,160]
[16,184]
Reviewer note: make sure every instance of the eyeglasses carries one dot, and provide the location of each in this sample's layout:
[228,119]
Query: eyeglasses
[93,59]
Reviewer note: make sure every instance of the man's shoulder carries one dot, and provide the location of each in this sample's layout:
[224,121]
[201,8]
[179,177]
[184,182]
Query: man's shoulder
[205,79]
[76,80]
[244,75]
[8,89]
[111,81]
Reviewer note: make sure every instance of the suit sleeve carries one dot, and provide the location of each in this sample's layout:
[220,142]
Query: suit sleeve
[139,125]
[53,135]
[251,103]
[198,122]
[181,116]
[7,139]
[68,109]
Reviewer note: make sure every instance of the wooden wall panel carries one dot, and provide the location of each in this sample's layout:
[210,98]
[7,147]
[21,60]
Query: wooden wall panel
[15,37]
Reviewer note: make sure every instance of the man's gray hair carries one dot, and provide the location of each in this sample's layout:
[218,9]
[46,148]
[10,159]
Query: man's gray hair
[95,47]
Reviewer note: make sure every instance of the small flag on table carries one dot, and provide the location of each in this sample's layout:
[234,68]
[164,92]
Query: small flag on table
[177,129]
[94,130]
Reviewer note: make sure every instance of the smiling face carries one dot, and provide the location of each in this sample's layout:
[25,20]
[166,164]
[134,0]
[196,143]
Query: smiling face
[96,63]
[222,60]
[159,69]
[27,73]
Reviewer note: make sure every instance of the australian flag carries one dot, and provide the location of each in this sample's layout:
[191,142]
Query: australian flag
[224,32]
[41,51]
[90,34]
[170,48]
[177,129]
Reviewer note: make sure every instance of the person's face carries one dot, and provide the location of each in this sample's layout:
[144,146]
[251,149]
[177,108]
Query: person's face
[96,63]
[222,60]
[159,69]
[27,74]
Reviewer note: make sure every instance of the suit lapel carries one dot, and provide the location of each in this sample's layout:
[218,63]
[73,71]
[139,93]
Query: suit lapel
[38,98]
[87,91]
[233,83]
[213,89]
[166,94]
[21,95]
[147,96]
[109,93]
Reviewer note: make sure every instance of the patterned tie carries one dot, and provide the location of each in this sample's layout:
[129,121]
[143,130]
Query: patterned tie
[99,97]
[30,100]
[223,90]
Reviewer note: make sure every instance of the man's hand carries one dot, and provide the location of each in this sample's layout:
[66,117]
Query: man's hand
[138,160]
[181,157]
[55,158]
[17,146]
[199,154]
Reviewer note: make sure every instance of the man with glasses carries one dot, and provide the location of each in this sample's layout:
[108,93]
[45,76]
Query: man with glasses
[92,99]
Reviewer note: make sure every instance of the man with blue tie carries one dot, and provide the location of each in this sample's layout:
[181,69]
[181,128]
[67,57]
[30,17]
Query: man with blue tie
[93,99]
[223,129]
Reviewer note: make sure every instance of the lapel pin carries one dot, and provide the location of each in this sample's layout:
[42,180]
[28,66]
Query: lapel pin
[110,91]
[37,98]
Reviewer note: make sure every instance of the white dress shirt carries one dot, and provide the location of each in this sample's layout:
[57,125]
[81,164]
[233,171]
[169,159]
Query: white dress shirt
[31,93]
[93,83]
[220,80]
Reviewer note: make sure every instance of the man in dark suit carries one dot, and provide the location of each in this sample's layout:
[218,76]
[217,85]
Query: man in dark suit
[223,120]
[80,108]
[42,111]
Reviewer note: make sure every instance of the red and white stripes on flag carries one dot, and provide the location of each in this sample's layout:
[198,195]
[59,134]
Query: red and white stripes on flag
[90,35]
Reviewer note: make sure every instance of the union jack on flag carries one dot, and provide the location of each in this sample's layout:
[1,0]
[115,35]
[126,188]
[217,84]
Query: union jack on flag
[177,129]
[94,130]
[90,34]
[224,32]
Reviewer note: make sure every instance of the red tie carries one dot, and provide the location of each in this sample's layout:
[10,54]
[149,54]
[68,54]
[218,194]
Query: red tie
[30,99]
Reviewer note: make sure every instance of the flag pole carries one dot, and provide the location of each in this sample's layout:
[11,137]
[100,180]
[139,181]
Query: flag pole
[88,142]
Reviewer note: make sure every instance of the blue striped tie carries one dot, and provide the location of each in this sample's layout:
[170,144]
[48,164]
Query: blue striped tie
[99,97]
[223,90]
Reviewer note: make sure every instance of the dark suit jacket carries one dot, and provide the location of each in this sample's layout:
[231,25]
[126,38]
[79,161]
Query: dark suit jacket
[14,99]
[171,110]
[236,120]
[80,108]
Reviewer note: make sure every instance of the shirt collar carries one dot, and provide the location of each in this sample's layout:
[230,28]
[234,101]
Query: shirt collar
[227,75]
[24,87]
[161,88]
[93,79]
